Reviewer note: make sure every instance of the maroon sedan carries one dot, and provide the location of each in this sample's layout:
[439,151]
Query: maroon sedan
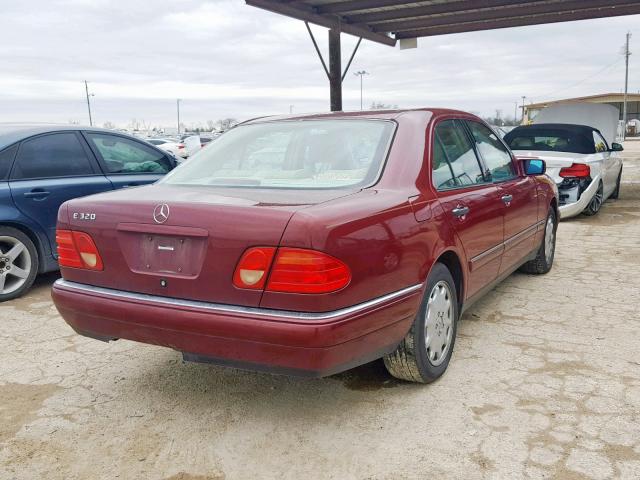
[309,245]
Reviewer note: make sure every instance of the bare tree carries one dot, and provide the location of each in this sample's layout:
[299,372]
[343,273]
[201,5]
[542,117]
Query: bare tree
[108,125]
[382,106]
[226,123]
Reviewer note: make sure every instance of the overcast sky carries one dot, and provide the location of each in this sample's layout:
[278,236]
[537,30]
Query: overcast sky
[224,58]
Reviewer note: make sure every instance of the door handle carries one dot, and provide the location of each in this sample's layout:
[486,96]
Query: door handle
[37,194]
[507,199]
[460,211]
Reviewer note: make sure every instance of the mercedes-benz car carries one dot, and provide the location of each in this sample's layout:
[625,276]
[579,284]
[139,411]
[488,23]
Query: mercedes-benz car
[309,245]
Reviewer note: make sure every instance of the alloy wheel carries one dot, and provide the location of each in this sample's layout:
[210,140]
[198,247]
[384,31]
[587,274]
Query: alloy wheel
[597,200]
[15,264]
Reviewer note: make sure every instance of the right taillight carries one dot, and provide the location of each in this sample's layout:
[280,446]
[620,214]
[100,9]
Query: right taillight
[293,270]
[77,250]
[297,270]
[576,170]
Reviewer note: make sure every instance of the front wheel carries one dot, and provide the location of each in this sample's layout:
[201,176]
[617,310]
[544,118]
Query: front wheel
[18,263]
[546,253]
[424,354]
[596,202]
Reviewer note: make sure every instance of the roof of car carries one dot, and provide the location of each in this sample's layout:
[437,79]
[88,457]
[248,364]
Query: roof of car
[14,132]
[367,114]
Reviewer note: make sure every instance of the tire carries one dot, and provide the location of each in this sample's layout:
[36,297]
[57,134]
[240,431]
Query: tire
[616,193]
[414,360]
[596,202]
[18,263]
[546,253]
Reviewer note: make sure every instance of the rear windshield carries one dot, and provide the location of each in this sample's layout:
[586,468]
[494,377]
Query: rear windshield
[291,154]
[549,140]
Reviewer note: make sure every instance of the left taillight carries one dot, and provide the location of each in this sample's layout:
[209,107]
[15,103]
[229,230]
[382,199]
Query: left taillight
[77,250]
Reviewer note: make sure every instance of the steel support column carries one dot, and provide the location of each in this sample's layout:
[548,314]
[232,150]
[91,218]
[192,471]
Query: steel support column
[335,70]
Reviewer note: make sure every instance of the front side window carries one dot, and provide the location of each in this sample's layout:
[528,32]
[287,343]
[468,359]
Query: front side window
[495,155]
[599,142]
[50,156]
[121,155]
[454,162]
[291,154]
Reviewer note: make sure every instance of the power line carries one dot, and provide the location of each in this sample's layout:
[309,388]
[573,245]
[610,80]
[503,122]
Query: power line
[580,82]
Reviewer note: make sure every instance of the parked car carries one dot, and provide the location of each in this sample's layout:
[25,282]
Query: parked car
[43,166]
[582,159]
[358,236]
[204,141]
[172,146]
[502,130]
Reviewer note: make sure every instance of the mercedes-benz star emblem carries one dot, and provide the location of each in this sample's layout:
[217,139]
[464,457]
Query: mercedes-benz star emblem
[161,213]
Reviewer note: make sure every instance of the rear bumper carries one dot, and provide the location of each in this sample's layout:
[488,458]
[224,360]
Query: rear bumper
[310,344]
[576,208]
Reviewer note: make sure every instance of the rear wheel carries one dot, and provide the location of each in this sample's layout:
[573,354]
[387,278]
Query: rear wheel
[544,259]
[424,354]
[18,263]
[596,202]
[616,193]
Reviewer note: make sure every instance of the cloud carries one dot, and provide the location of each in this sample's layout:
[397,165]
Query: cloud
[228,59]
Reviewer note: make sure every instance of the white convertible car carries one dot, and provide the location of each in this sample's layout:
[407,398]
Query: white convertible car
[578,144]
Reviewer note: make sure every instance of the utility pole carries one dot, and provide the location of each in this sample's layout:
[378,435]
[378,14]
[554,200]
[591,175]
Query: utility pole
[86,89]
[178,109]
[361,74]
[291,109]
[523,99]
[627,54]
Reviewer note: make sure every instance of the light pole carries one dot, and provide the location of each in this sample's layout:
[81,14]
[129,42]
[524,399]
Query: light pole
[86,89]
[361,74]
[291,109]
[523,99]
[627,54]
[178,109]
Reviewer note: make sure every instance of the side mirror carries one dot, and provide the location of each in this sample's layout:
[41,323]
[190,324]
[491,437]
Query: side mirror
[616,147]
[534,166]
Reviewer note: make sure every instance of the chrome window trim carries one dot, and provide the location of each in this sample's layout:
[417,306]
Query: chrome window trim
[233,309]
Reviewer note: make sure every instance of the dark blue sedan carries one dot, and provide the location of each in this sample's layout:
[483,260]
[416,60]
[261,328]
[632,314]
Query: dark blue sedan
[43,166]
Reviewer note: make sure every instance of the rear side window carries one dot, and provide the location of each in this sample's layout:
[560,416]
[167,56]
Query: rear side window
[121,155]
[549,140]
[454,162]
[495,155]
[51,156]
[6,159]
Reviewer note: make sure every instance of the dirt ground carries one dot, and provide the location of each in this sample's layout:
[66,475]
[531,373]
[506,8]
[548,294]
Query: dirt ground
[544,383]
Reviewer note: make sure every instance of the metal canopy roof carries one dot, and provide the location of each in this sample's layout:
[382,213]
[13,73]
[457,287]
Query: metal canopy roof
[386,21]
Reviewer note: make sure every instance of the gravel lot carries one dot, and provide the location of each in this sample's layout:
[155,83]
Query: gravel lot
[544,383]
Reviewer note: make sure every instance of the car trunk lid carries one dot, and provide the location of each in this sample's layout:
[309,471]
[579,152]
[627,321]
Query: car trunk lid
[183,242]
